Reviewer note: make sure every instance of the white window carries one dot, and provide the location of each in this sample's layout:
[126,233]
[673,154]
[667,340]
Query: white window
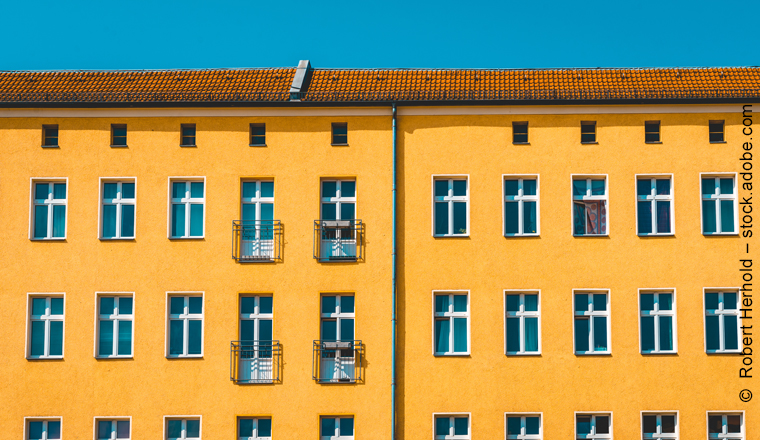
[336,428]
[183,428]
[188,198]
[451,200]
[523,324]
[722,322]
[725,426]
[339,225]
[46,314]
[659,426]
[43,429]
[657,322]
[524,427]
[338,355]
[257,220]
[592,322]
[654,205]
[251,429]
[256,348]
[452,427]
[590,210]
[719,204]
[451,323]
[593,426]
[520,206]
[110,429]
[49,200]
[115,326]
[185,326]
[338,199]
[118,210]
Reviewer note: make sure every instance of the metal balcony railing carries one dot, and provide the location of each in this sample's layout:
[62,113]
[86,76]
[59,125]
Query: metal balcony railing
[255,361]
[256,240]
[337,361]
[338,240]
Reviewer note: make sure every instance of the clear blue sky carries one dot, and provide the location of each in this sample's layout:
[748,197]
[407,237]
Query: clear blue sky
[138,34]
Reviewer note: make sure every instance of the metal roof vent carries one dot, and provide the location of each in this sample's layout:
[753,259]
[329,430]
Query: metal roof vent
[300,80]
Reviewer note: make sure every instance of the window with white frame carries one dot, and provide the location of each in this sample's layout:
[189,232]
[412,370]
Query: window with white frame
[43,429]
[338,199]
[118,210]
[452,427]
[181,429]
[254,428]
[522,315]
[592,323]
[451,198]
[256,339]
[657,322]
[654,205]
[719,205]
[187,203]
[451,324]
[113,430]
[722,322]
[524,427]
[520,206]
[185,326]
[659,426]
[115,318]
[590,205]
[337,361]
[49,210]
[46,327]
[257,211]
[593,426]
[336,428]
[725,426]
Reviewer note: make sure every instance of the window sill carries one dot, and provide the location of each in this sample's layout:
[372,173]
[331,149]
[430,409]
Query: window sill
[257,145]
[593,353]
[451,354]
[113,358]
[51,146]
[49,239]
[720,234]
[117,239]
[44,358]
[658,353]
[520,143]
[524,354]
[339,145]
[724,352]
[193,356]
[188,146]
[521,235]
[187,238]
[653,142]
[589,143]
[452,236]
[670,234]
[119,146]
[590,235]
[718,142]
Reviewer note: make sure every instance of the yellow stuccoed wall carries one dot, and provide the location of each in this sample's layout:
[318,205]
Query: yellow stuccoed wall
[151,386]
[485,384]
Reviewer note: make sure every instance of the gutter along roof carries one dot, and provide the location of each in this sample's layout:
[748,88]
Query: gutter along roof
[282,86]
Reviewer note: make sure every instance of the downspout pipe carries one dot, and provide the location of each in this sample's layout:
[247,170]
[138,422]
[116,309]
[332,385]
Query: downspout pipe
[393,257]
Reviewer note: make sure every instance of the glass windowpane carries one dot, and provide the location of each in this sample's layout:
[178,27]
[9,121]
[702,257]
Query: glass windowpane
[511,217]
[127,221]
[441,218]
[442,335]
[460,303]
[511,187]
[460,217]
[195,335]
[196,220]
[600,333]
[581,335]
[346,427]
[105,344]
[127,190]
[193,428]
[56,338]
[110,190]
[125,338]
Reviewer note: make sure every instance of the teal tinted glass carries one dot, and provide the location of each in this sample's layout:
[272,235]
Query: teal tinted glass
[647,301]
[249,211]
[193,428]
[195,304]
[247,330]
[41,191]
[529,187]
[513,303]
[56,306]
[531,303]
[597,187]
[127,190]
[59,191]
[663,217]
[56,338]
[346,329]
[109,221]
[530,223]
[441,303]
[39,306]
[178,220]
[40,221]
[196,220]
[105,342]
[329,330]
[712,332]
[59,221]
[347,427]
[644,213]
[461,426]
[178,190]
[531,425]
[581,302]
[328,427]
[441,218]
[196,190]
[708,186]
[711,301]
[514,426]
[247,305]
[329,188]
[267,189]
[329,211]
[54,430]
[583,425]
[511,187]
[581,334]
[110,190]
[731,332]
[441,188]
[726,186]
[106,305]
[460,335]
[460,188]
[329,304]
[442,335]
[663,186]
[347,304]
[460,217]
[35,430]
[726,215]
[176,336]
[600,302]
[666,333]
[265,304]
[249,192]
[265,330]
[194,336]
[347,211]
[267,212]
[174,428]
[265,427]
[122,429]
[104,430]
[643,187]
[348,188]
[709,220]
[177,305]
[666,301]
[127,221]
[647,333]
[729,301]
[460,303]
[245,428]
[579,187]
[531,334]
[513,334]
[38,338]
[600,333]
[511,217]
[125,338]
[441,426]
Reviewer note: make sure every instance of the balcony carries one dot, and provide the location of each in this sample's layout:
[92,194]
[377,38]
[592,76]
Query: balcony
[256,241]
[255,361]
[337,361]
[338,240]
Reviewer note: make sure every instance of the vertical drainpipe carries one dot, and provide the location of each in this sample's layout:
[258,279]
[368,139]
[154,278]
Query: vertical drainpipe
[393,254]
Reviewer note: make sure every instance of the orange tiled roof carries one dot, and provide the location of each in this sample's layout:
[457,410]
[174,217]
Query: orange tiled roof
[242,86]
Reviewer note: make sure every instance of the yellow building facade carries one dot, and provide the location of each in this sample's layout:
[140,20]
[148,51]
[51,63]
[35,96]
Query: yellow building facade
[307,253]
